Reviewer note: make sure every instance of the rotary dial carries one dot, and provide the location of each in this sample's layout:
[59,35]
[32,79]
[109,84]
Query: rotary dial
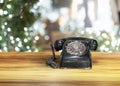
[76,48]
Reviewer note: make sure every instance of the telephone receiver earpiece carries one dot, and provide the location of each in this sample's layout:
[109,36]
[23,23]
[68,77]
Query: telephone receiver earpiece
[51,63]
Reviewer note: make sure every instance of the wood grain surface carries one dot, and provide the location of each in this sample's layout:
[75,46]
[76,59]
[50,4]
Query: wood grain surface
[29,69]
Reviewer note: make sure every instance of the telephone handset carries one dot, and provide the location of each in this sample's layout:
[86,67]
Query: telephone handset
[75,52]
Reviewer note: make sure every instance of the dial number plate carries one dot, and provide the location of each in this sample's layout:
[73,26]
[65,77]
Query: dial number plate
[76,48]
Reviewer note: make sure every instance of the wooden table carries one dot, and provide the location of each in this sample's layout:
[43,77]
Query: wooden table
[29,69]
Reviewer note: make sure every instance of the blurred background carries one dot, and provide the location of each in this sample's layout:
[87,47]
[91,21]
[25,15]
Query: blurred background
[31,25]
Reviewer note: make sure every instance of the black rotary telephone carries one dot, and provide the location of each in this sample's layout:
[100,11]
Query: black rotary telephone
[75,52]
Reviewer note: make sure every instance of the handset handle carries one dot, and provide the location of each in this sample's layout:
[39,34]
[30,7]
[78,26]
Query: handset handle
[53,52]
[51,60]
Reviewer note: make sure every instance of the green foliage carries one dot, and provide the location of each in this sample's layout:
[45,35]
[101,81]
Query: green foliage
[14,17]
